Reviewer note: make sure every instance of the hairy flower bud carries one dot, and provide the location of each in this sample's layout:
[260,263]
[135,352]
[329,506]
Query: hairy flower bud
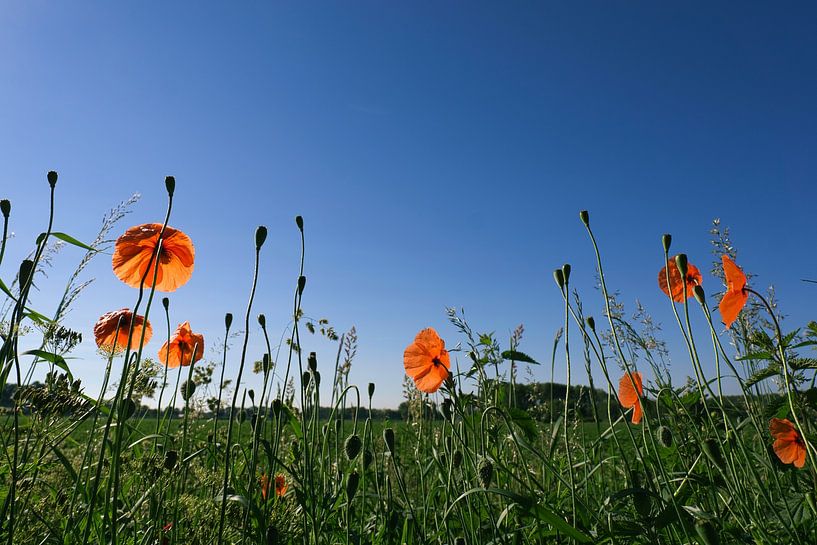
[260,236]
[5,207]
[559,277]
[566,272]
[666,240]
[485,472]
[664,436]
[188,388]
[299,221]
[228,320]
[584,215]
[262,321]
[371,389]
[171,456]
[351,485]
[170,185]
[681,262]
[52,178]
[388,438]
[352,446]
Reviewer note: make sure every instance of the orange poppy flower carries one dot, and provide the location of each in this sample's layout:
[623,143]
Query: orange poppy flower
[693,279]
[426,361]
[736,295]
[181,346]
[110,340]
[629,396]
[280,485]
[133,252]
[788,443]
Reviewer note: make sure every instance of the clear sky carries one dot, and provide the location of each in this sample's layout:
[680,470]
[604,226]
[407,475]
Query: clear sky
[438,151]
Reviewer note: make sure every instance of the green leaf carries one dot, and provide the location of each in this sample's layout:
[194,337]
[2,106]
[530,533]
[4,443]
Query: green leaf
[71,240]
[56,359]
[524,420]
[768,372]
[515,355]
[66,464]
[542,512]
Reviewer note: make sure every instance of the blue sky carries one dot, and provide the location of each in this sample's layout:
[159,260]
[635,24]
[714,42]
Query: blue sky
[439,153]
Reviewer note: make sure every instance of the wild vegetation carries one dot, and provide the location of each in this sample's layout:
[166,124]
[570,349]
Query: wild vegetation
[481,456]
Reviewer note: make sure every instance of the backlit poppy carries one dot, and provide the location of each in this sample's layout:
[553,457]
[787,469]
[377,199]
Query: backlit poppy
[179,351]
[280,485]
[426,361]
[788,443]
[629,396]
[110,340]
[693,279]
[736,295]
[133,252]
[264,482]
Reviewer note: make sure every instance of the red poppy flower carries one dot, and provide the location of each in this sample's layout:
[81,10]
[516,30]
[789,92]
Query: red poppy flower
[133,252]
[110,340]
[180,349]
[426,361]
[280,485]
[629,396]
[692,279]
[736,295]
[788,443]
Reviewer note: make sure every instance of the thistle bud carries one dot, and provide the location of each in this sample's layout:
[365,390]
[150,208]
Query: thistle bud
[5,207]
[351,485]
[566,272]
[352,446]
[301,284]
[170,185]
[388,438]
[371,389]
[52,178]
[591,323]
[262,321]
[260,236]
[228,320]
[681,262]
[707,532]
[166,303]
[666,240]
[188,389]
[299,221]
[664,436]
[584,215]
[485,472]
[171,456]
[559,277]
[700,296]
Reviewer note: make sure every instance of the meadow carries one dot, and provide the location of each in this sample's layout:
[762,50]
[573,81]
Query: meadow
[478,456]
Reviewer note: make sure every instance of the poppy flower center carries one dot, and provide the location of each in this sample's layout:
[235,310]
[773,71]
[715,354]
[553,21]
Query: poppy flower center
[799,441]
[436,361]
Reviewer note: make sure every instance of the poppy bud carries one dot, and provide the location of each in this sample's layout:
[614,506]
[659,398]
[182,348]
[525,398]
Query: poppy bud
[368,458]
[388,438]
[584,215]
[446,408]
[128,408]
[26,271]
[171,456]
[456,458]
[228,320]
[666,240]
[299,221]
[559,276]
[664,436]
[681,262]
[272,535]
[371,389]
[485,472]
[5,207]
[642,502]
[242,416]
[52,178]
[351,485]
[262,321]
[170,185]
[700,296]
[166,303]
[260,236]
[301,284]
[305,379]
[707,532]
[317,375]
[591,323]
[313,361]
[352,446]
[265,365]
[566,272]
[189,388]
[713,451]
[251,393]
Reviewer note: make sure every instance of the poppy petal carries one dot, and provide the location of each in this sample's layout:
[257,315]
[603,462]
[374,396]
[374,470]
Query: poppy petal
[735,278]
[731,305]
[626,393]
[676,283]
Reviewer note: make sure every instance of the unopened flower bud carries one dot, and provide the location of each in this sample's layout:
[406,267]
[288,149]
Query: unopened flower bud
[700,296]
[664,436]
[591,323]
[52,178]
[371,389]
[299,221]
[713,451]
[352,446]
[128,408]
[584,215]
[25,274]
[485,472]
[368,458]
[170,185]
[166,303]
[305,379]
[251,393]
[388,438]
[681,263]
[559,277]
[272,535]
[228,320]
[566,272]
[301,284]
[171,456]
[351,485]
[262,321]
[312,361]
[188,389]
[666,240]
[5,207]
[260,236]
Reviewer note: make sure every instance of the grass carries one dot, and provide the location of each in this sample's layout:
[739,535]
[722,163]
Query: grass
[488,459]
